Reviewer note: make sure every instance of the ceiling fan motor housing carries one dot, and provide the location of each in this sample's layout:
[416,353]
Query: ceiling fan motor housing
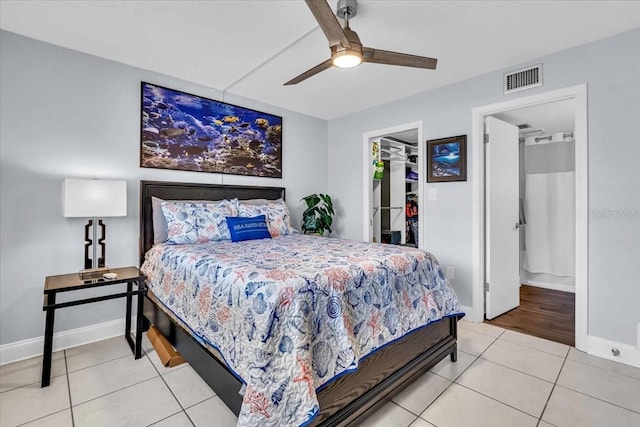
[347,9]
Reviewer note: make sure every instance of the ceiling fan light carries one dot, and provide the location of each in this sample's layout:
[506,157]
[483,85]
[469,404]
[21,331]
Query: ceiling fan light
[347,59]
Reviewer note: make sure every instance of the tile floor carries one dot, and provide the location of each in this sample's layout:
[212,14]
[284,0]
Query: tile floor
[502,378]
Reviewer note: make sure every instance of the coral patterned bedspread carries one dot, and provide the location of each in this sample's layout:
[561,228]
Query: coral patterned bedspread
[292,313]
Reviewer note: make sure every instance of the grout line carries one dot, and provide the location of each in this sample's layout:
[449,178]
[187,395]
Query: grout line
[165,418]
[552,389]
[451,381]
[605,369]
[115,391]
[537,349]
[518,370]
[499,401]
[66,371]
[598,398]
[44,416]
[98,364]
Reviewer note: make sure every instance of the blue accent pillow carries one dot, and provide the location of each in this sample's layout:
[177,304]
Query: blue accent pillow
[252,228]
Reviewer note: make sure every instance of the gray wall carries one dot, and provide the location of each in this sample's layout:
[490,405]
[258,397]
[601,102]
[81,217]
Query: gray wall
[610,67]
[68,114]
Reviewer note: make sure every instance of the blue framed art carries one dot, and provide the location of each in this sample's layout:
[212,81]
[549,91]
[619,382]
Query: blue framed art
[447,159]
[182,131]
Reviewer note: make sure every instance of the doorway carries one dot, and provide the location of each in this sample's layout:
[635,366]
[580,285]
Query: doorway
[533,251]
[400,155]
[504,295]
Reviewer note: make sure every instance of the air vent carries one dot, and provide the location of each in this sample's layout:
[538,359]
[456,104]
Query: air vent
[523,79]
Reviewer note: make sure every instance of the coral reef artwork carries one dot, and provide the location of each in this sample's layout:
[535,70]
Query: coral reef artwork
[188,132]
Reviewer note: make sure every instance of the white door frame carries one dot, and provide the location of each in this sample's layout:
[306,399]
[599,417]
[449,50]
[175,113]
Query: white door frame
[579,94]
[367,176]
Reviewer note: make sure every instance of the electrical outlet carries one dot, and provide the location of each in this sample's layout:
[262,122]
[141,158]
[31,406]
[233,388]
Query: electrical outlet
[451,272]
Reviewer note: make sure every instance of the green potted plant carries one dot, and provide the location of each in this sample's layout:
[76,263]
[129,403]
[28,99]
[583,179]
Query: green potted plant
[318,216]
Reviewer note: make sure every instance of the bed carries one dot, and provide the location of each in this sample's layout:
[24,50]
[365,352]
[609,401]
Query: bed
[341,382]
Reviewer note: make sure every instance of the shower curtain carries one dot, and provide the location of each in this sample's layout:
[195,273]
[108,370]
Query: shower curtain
[550,205]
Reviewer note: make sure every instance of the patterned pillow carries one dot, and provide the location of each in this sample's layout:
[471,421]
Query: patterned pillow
[248,228]
[198,222]
[277,213]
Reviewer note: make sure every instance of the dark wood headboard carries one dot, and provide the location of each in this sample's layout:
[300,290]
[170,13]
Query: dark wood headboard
[189,191]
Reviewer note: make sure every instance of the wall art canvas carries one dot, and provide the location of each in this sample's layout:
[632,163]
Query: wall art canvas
[188,132]
[447,159]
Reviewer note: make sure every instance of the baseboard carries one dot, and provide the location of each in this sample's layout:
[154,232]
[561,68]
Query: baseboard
[32,347]
[629,354]
[553,286]
[468,311]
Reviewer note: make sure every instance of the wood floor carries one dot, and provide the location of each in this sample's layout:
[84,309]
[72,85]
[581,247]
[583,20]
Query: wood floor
[544,313]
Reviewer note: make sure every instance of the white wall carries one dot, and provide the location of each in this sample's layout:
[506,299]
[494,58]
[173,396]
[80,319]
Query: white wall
[68,114]
[611,68]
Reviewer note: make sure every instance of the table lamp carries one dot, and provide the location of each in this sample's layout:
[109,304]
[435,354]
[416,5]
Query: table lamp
[94,199]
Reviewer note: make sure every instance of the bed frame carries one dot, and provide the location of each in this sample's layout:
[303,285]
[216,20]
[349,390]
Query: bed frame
[345,401]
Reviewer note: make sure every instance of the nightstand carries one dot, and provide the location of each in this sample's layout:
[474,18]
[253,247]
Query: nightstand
[54,285]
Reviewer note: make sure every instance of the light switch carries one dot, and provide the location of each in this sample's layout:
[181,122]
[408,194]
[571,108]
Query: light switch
[432,194]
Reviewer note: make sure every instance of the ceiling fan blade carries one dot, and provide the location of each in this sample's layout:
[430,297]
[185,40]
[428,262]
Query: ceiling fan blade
[378,56]
[328,22]
[309,73]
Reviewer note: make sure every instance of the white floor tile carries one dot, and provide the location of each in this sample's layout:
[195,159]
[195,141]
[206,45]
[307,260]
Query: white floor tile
[482,328]
[452,370]
[473,342]
[421,393]
[59,419]
[521,391]
[29,371]
[98,380]
[542,365]
[419,422]
[188,387]
[545,424]
[138,405]
[212,409]
[602,384]
[178,420]
[536,343]
[390,415]
[567,408]
[31,402]
[98,352]
[599,362]
[460,407]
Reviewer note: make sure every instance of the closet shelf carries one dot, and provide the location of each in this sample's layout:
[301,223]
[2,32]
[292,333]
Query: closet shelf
[412,181]
[386,208]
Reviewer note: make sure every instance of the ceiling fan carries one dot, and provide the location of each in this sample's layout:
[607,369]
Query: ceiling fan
[346,49]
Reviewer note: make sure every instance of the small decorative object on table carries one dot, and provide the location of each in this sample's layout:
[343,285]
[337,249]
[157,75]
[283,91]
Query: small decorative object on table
[318,216]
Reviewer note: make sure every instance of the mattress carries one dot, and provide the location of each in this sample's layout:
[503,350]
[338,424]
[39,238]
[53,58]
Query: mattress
[288,315]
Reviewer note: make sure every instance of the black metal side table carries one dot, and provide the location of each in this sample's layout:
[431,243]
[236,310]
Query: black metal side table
[72,282]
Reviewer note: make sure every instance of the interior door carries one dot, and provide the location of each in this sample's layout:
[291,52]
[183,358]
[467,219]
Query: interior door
[502,192]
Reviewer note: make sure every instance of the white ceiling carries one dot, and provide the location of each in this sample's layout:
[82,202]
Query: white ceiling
[250,48]
[548,118]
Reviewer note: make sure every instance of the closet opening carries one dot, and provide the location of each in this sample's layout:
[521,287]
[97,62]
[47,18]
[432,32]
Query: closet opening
[392,185]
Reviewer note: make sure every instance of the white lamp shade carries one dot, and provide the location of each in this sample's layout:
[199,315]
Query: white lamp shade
[94,198]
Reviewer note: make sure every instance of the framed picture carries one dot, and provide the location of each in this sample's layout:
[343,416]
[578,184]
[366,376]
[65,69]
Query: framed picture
[187,132]
[447,159]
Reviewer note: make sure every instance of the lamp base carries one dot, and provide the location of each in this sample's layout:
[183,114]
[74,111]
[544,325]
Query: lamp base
[93,273]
